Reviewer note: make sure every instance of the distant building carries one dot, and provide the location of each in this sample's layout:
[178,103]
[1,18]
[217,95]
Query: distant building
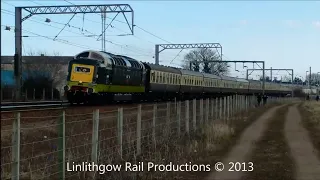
[7,73]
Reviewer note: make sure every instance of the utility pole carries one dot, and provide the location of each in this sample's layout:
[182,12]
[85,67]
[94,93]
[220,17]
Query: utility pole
[271,73]
[185,46]
[310,78]
[65,9]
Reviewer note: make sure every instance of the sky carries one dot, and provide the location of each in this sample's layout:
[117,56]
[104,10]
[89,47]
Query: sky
[284,34]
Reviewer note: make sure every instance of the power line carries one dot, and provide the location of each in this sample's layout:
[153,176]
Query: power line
[134,25]
[64,26]
[112,26]
[176,56]
[122,46]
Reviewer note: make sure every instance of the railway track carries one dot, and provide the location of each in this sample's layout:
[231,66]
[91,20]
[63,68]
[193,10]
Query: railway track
[50,105]
[13,106]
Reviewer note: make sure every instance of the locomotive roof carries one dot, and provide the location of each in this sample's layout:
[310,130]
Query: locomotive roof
[162,68]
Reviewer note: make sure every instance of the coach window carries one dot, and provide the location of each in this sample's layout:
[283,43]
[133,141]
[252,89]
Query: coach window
[152,76]
[173,79]
[158,77]
[163,77]
[176,79]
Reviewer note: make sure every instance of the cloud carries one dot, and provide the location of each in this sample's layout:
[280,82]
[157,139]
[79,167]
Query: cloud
[316,24]
[292,23]
[243,22]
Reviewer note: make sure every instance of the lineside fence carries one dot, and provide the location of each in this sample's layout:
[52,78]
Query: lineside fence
[46,147]
[35,94]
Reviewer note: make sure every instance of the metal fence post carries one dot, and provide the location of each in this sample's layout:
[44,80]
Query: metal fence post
[15,175]
[228,107]
[216,108]
[44,94]
[225,108]
[179,117]
[168,118]
[154,123]
[95,136]
[212,108]
[120,129]
[52,93]
[139,130]
[34,93]
[194,114]
[187,116]
[201,111]
[207,111]
[220,108]
[62,145]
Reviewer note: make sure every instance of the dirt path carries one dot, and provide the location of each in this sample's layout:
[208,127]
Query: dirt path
[244,147]
[307,163]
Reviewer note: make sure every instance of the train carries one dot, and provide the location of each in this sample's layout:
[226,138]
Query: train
[103,77]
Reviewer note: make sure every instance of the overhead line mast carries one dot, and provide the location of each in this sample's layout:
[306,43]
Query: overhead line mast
[65,9]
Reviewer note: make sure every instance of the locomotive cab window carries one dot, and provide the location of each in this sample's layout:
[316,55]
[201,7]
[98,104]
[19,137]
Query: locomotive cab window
[80,69]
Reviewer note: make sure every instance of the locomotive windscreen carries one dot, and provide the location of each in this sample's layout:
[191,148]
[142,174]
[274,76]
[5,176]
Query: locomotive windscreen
[82,72]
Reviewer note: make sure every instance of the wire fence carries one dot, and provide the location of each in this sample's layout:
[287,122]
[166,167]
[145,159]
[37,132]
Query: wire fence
[60,147]
[35,94]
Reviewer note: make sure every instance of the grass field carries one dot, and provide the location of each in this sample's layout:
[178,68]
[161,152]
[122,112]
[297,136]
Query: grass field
[310,112]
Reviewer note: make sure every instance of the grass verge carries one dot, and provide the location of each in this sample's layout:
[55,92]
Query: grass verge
[271,156]
[310,114]
[223,145]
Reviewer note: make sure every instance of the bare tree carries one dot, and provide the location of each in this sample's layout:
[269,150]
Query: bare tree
[315,79]
[200,62]
[46,68]
[44,73]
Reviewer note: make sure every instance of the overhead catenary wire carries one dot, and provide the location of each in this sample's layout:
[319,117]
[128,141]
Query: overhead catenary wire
[122,46]
[64,26]
[90,36]
[148,41]
[152,34]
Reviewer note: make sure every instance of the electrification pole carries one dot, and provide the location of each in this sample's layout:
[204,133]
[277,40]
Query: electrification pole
[263,69]
[65,9]
[292,73]
[185,46]
[310,78]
